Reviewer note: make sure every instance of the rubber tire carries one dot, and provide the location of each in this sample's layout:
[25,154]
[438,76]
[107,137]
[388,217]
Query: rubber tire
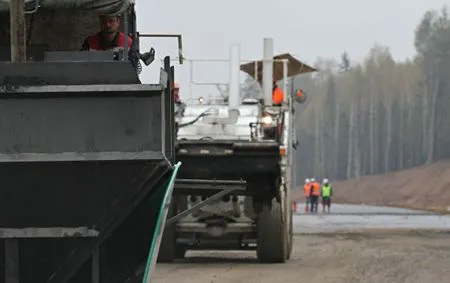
[167,249]
[290,233]
[180,252]
[272,245]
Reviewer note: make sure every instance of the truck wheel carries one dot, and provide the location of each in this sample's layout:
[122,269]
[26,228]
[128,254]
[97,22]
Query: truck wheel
[167,249]
[272,234]
[290,232]
[180,252]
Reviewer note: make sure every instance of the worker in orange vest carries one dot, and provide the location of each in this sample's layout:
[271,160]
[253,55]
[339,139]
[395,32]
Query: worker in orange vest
[315,194]
[277,94]
[307,193]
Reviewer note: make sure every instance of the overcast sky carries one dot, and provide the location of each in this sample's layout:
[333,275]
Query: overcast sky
[308,29]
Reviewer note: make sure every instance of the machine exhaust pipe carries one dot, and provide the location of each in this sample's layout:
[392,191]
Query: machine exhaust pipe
[267,76]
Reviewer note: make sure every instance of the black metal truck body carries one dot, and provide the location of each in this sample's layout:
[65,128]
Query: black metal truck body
[80,158]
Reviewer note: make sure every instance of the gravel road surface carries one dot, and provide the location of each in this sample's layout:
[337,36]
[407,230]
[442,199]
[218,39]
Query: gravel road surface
[385,249]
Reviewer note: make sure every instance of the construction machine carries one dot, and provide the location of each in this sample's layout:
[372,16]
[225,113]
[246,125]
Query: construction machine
[86,150]
[233,190]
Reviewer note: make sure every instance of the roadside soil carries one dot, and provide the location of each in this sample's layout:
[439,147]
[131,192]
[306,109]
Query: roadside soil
[422,187]
[374,256]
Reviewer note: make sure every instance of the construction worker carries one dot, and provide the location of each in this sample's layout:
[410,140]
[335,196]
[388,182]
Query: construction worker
[109,37]
[315,194]
[176,93]
[326,193]
[277,94]
[307,193]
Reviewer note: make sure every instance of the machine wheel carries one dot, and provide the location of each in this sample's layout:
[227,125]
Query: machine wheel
[180,252]
[167,249]
[272,234]
[290,232]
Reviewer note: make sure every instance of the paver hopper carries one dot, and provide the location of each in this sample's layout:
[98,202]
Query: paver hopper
[80,164]
[86,166]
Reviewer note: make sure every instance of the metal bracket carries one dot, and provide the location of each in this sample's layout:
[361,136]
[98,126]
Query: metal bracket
[12,237]
[201,187]
[179,38]
[207,185]
[198,206]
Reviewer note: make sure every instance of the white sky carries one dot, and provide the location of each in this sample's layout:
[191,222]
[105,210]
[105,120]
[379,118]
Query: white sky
[308,29]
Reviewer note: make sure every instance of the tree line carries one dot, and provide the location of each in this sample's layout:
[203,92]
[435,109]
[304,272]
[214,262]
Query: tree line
[378,115]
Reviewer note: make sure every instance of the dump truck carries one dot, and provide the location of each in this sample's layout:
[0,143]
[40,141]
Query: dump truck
[233,190]
[87,160]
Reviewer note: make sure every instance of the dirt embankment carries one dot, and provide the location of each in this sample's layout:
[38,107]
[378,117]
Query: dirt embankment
[426,186]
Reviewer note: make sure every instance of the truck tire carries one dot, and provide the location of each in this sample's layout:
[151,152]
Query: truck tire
[167,248]
[290,232]
[272,245]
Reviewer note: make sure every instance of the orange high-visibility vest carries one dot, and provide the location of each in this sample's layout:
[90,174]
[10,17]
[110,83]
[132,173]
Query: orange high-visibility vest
[307,189]
[315,189]
[277,96]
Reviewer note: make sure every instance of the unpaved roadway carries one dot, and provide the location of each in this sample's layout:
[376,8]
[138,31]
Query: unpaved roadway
[357,248]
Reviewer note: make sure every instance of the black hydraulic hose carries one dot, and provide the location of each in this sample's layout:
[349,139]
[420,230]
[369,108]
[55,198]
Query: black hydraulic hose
[203,114]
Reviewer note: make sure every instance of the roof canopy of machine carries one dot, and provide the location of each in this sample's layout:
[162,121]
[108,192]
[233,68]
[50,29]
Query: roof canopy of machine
[101,6]
[295,67]
[60,25]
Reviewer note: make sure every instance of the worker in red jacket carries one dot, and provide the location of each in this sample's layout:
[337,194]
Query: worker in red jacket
[315,194]
[109,37]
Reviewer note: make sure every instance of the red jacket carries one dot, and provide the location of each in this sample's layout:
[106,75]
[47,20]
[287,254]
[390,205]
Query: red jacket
[96,42]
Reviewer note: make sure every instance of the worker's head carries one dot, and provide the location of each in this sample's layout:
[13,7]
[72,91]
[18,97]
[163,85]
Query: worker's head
[109,23]
[274,81]
[325,181]
[176,88]
[176,92]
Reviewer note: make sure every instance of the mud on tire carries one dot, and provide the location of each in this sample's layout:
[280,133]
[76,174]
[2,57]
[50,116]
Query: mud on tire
[272,234]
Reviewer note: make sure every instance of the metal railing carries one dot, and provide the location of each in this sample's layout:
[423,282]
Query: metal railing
[217,84]
[179,38]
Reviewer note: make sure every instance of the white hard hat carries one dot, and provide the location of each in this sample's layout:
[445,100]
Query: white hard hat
[325,180]
[306,180]
[313,180]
